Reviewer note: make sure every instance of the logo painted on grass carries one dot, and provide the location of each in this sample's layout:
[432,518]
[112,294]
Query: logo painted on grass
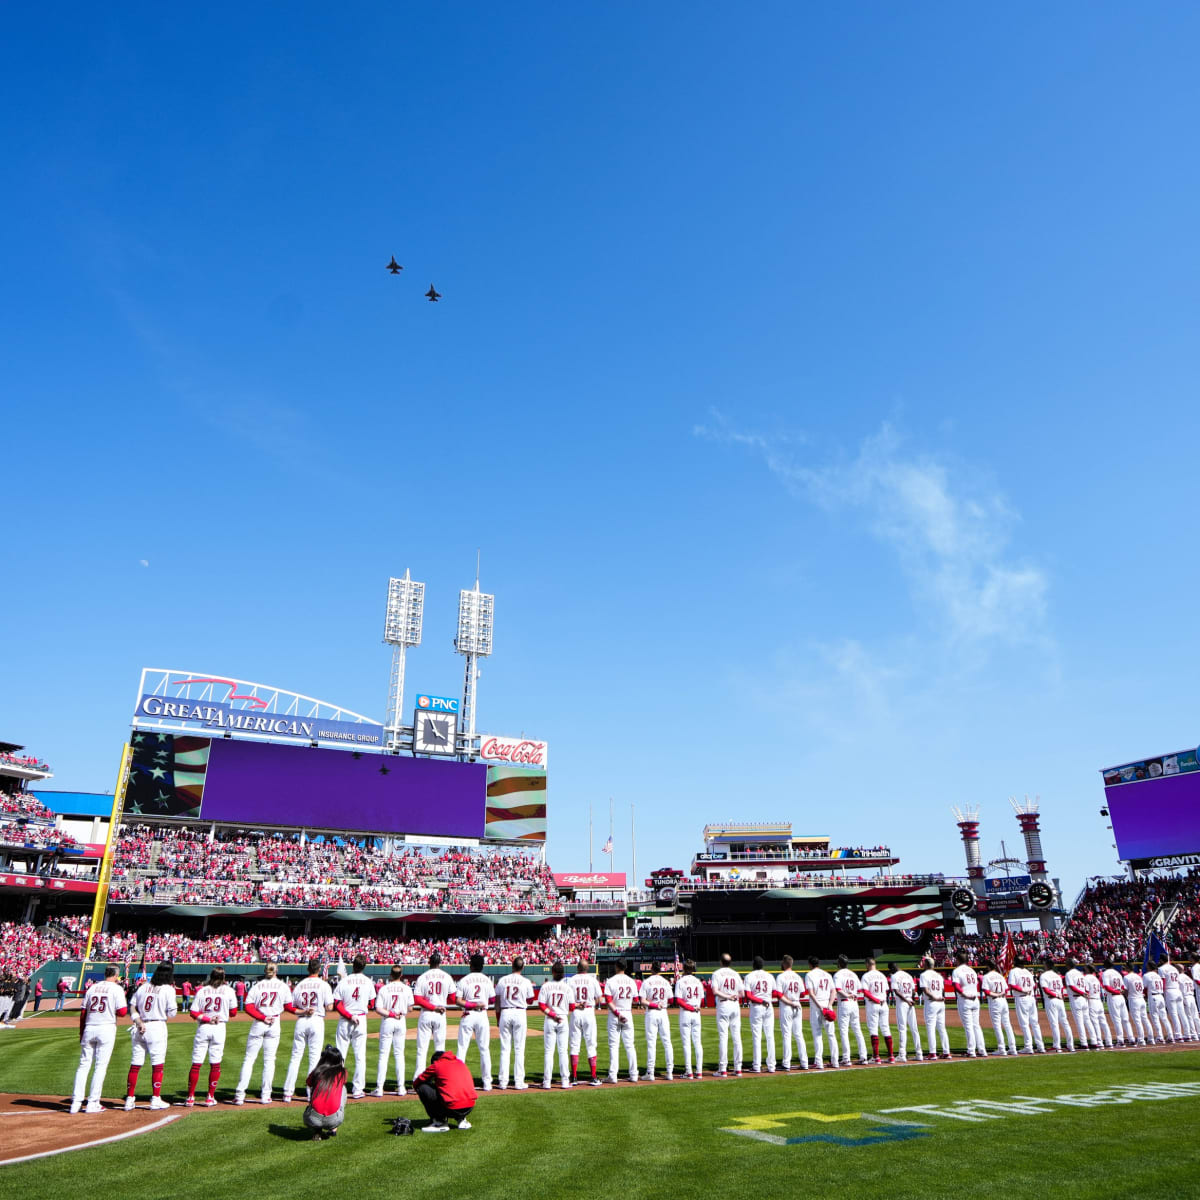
[897,1124]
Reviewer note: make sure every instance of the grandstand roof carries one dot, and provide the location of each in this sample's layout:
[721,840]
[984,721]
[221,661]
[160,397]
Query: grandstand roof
[77,804]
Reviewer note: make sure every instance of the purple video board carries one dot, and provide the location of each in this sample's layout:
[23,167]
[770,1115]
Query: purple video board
[1154,806]
[265,784]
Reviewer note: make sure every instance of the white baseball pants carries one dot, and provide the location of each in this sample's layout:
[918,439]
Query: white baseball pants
[762,1029]
[729,1024]
[94,1052]
[1027,1021]
[968,1014]
[431,1026]
[1174,1009]
[513,1028]
[621,1035]
[1140,1020]
[791,1027]
[1157,1009]
[265,1038]
[354,1034]
[1118,1011]
[1099,1022]
[583,1031]
[474,1026]
[1083,1021]
[210,1040]
[1191,1015]
[689,1035]
[1056,1014]
[153,1043]
[308,1034]
[822,1029]
[847,1017]
[935,1023]
[393,1033]
[1002,1026]
[879,1020]
[658,1027]
[554,1037]
[906,1019]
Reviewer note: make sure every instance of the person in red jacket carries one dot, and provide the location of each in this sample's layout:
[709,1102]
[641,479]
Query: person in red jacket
[327,1094]
[447,1091]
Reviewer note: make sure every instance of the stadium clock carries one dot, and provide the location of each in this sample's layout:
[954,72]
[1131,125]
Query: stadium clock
[962,900]
[1041,895]
[434,733]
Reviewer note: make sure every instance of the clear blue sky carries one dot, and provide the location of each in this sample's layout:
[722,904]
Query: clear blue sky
[820,389]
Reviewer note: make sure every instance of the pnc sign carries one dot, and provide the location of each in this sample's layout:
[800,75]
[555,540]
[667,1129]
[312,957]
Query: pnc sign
[441,704]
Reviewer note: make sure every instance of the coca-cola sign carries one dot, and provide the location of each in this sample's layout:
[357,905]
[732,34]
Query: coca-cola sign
[519,752]
[599,880]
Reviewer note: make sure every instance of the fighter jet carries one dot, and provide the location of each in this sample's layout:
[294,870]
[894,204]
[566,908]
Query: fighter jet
[433,294]
[394,266]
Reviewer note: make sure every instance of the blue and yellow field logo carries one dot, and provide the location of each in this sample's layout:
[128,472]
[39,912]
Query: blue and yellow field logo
[837,1129]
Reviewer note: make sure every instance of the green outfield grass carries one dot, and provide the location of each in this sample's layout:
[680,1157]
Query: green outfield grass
[652,1139]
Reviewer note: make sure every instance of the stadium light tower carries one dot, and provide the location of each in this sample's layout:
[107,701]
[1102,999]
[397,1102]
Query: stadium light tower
[968,826]
[401,629]
[474,641]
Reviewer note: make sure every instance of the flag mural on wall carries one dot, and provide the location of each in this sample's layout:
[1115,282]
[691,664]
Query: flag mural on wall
[166,774]
[892,909]
[516,804]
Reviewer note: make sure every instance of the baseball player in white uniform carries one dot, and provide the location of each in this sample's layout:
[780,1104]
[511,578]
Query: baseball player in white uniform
[1096,1016]
[657,994]
[587,994]
[476,994]
[1156,1007]
[1053,989]
[213,1006]
[312,998]
[266,1002]
[1173,995]
[555,999]
[1135,1002]
[933,994]
[103,1003]
[1118,1009]
[513,995]
[761,992]
[1023,986]
[728,991]
[904,989]
[689,996]
[153,1005]
[822,1015]
[791,990]
[966,987]
[434,991]
[1196,981]
[848,990]
[392,1003]
[994,987]
[1191,1012]
[874,986]
[621,992]
[353,999]
[1077,996]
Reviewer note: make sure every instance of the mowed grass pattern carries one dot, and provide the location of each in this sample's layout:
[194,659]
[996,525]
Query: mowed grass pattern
[649,1140]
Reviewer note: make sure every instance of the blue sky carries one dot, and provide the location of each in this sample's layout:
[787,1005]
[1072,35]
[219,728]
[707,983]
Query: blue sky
[819,388]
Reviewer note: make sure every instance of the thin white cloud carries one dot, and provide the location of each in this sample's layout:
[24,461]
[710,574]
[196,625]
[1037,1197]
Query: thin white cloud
[144,561]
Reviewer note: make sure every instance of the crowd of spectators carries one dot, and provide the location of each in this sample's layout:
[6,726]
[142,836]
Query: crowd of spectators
[24,806]
[23,760]
[35,836]
[185,866]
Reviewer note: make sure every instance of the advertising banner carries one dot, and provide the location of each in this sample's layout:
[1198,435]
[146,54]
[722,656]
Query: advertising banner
[1154,806]
[1007,884]
[517,752]
[516,803]
[49,885]
[596,881]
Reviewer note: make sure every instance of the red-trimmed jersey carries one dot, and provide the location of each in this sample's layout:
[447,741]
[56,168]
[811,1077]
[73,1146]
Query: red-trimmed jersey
[656,992]
[585,990]
[555,994]
[435,986]
[313,993]
[103,1003]
[621,992]
[394,999]
[215,1003]
[690,990]
[356,993]
[790,986]
[515,991]
[155,1003]
[270,996]
[875,984]
[477,990]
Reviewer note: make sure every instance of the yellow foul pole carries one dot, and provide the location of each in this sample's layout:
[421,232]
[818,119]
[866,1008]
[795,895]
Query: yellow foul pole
[105,877]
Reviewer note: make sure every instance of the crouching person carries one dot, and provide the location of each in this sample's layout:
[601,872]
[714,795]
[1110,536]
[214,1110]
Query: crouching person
[447,1090]
[327,1097]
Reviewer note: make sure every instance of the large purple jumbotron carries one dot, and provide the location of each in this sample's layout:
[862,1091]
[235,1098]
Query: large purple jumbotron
[1154,817]
[263,783]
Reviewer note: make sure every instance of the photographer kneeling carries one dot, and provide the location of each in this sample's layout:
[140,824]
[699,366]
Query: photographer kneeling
[447,1091]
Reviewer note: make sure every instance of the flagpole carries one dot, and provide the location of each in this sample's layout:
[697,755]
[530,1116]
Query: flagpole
[633,843]
[590,867]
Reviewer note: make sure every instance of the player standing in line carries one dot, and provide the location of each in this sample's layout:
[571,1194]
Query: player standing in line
[586,993]
[392,1003]
[621,992]
[846,984]
[689,996]
[657,995]
[1095,995]
[1077,995]
[311,999]
[995,987]
[875,989]
[1196,978]
[728,991]
[352,1000]
[1051,983]
[1135,1000]
[761,991]
[268,999]
[933,989]
[214,1005]
[153,1005]
[1023,988]
[790,989]
[966,986]
[1174,998]
[103,1003]
[433,993]
[555,1001]
[822,1015]
[475,996]
[1118,1010]
[1190,1013]
[513,995]
[1156,1007]
[904,988]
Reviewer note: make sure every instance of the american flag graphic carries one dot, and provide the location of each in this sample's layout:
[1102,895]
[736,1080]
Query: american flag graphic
[898,910]
[166,774]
